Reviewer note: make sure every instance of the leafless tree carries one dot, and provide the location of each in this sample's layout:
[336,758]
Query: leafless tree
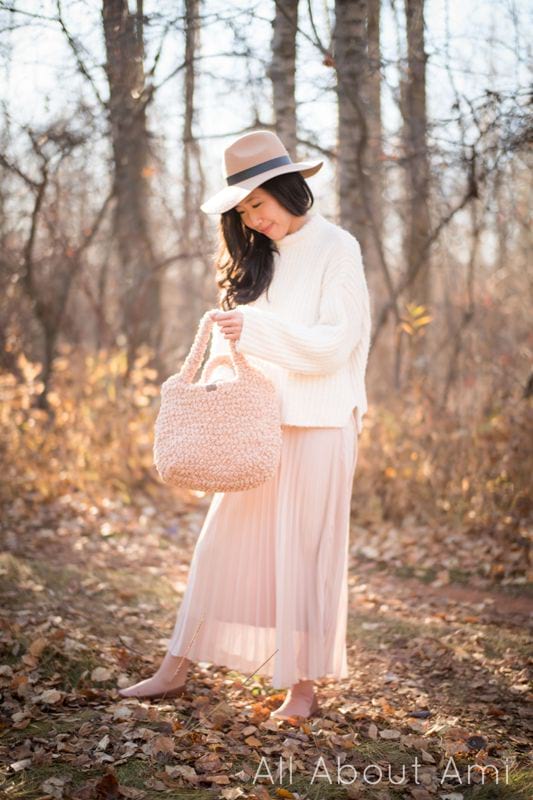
[417,170]
[128,99]
[45,274]
[192,224]
[374,165]
[351,61]
[282,72]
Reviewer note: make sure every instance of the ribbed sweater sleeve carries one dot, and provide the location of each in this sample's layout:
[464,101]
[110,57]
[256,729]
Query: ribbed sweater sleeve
[325,346]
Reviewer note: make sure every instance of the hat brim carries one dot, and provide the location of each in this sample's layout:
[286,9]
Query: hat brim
[231,196]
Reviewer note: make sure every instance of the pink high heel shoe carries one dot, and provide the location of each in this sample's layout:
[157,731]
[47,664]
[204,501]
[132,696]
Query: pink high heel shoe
[154,688]
[159,695]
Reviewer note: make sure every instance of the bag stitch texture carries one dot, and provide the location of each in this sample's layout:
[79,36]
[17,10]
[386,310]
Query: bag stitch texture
[217,437]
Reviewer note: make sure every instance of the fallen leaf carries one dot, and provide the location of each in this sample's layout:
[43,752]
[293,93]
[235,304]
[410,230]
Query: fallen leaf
[122,712]
[54,786]
[131,793]
[37,647]
[476,742]
[420,713]
[17,766]
[106,788]
[231,793]
[50,697]
[390,733]
[103,743]
[182,771]
[221,714]
[162,744]
[420,794]
[218,779]
[154,783]
[260,793]
[100,674]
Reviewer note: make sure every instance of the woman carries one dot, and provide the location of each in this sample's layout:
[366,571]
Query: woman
[267,589]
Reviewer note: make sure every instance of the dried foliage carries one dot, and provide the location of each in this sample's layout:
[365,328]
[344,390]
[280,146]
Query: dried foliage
[437,677]
[473,474]
[430,490]
[98,434]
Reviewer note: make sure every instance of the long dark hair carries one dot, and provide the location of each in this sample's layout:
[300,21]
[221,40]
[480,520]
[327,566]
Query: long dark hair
[244,260]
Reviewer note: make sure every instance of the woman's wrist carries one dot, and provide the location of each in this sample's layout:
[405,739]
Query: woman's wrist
[229,322]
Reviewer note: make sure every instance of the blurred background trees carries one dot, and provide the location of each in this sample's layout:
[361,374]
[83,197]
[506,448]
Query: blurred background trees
[115,113]
[114,118]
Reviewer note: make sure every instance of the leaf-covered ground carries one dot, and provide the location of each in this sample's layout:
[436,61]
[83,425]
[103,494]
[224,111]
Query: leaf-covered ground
[436,705]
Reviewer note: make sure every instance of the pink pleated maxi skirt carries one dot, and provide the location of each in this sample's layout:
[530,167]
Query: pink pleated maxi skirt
[267,592]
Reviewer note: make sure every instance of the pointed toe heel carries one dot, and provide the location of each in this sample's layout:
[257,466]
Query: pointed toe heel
[161,695]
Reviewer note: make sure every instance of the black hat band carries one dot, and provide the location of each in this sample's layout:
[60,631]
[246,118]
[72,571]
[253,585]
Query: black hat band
[257,169]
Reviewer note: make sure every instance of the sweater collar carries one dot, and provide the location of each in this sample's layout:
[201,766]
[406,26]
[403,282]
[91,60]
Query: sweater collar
[301,234]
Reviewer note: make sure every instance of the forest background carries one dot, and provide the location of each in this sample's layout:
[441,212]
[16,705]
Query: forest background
[114,118]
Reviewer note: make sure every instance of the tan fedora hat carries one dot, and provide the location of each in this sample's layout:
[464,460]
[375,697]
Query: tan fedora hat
[248,162]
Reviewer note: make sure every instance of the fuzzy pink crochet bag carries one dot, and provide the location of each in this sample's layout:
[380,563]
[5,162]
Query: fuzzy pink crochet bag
[217,437]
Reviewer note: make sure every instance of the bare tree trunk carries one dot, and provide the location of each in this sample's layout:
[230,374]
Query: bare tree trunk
[502,219]
[282,72]
[351,61]
[192,223]
[416,154]
[375,135]
[141,301]
[457,338]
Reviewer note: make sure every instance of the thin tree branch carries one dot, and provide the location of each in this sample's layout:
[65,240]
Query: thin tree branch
[75,49]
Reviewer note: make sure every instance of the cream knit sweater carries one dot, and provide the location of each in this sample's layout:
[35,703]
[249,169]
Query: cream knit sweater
[311,334]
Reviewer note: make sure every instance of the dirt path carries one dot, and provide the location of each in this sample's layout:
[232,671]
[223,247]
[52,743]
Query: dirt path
[437,674]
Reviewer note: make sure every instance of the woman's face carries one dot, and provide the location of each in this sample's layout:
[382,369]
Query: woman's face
[261,212]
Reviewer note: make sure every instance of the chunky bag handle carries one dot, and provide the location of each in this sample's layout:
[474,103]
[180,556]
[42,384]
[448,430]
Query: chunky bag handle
[215,362]
[194,359]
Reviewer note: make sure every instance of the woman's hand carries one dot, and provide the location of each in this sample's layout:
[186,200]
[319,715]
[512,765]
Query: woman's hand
[229,322]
